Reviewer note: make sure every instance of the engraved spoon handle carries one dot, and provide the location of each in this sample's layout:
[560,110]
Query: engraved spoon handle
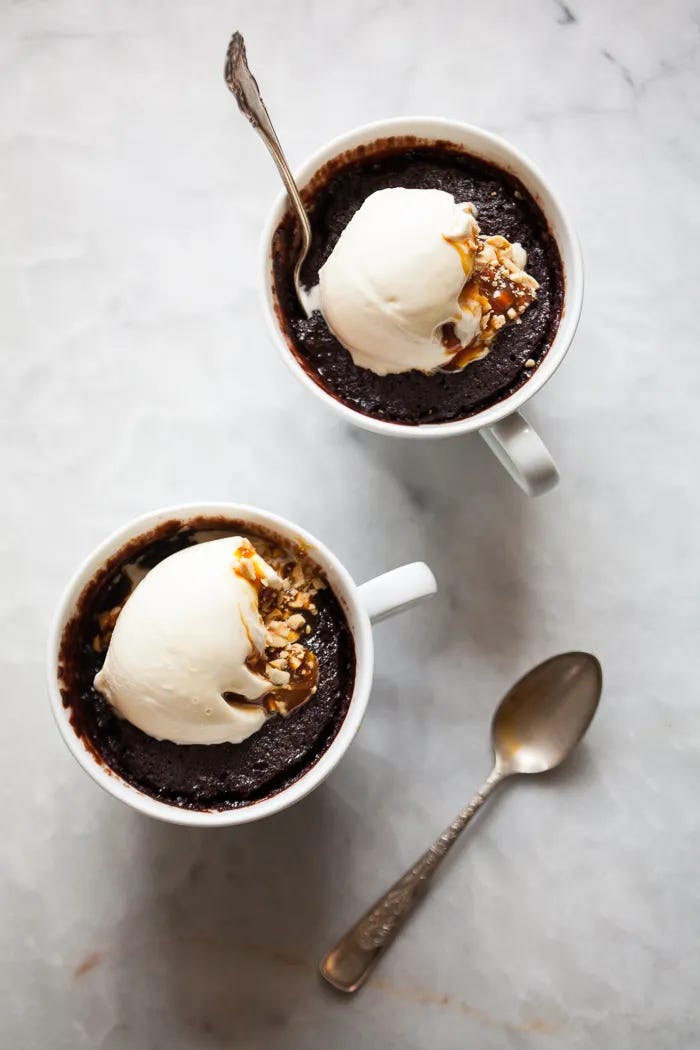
[348,964]
[244,87]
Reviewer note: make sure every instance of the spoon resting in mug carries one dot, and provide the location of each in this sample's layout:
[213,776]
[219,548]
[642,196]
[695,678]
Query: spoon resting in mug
[244,87]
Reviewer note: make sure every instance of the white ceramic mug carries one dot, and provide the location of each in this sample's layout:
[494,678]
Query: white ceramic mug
[505,430]
[364,605]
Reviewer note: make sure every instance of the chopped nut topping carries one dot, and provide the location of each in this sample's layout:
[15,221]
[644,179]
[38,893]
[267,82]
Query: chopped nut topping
[290,667]
[498,291]
[246,568]
[276,675]
[300,599]
[297,575]
[275,641]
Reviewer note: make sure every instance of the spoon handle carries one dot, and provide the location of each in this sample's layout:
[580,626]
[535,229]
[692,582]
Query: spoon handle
[349,963]
[244,86]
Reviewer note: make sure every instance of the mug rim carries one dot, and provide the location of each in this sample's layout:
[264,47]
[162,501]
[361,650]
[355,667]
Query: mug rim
[566,239]
[345,589]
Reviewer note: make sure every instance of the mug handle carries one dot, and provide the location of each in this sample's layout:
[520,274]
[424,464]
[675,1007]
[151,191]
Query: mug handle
[397,590]
[518,447]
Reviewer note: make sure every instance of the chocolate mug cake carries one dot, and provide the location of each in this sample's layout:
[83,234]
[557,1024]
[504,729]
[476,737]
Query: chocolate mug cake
[208,663]
[437,286]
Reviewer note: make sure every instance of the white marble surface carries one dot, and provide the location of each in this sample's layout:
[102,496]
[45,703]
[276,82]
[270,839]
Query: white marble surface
[131,199]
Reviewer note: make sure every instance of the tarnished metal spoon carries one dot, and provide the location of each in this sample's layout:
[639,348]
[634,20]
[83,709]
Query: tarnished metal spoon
[536,726]
[244,87]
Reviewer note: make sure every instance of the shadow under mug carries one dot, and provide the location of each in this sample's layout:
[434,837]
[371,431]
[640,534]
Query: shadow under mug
[503,427]
[391,593]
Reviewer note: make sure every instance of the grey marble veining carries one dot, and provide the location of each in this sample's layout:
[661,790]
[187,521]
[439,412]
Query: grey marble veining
[131,199]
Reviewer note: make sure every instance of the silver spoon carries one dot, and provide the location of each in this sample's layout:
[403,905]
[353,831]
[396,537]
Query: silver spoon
[536,726]
[247,93]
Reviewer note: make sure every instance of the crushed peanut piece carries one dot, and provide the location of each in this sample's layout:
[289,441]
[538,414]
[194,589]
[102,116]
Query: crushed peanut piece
[277,676]
[275,641]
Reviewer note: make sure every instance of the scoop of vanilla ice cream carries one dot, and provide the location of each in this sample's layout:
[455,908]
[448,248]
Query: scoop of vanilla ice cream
[182,640]
[394,277]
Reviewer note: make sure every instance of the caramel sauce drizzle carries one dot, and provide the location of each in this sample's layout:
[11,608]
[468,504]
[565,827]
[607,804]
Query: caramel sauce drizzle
[286,698]
[465,250]
[498,295]
[303,680]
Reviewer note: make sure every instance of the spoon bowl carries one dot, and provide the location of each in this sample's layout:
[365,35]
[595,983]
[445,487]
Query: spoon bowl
[543,717]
